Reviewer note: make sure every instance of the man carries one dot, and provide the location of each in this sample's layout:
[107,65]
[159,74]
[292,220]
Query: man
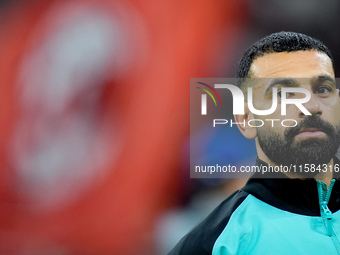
[296,212]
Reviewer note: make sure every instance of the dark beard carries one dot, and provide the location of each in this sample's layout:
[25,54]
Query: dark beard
[287,152]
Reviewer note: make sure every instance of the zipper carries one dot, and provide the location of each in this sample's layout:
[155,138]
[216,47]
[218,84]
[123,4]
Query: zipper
[326,214]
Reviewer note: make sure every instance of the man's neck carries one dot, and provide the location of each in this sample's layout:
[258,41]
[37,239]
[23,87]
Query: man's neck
[324,175]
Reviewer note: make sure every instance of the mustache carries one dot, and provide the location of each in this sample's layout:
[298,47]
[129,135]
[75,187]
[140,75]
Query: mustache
[309,122]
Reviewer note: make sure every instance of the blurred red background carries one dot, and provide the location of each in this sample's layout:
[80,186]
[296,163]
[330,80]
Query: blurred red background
[94,99]
[94,113]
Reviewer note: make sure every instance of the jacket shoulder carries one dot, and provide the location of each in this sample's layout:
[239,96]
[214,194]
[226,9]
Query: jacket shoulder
[200,240]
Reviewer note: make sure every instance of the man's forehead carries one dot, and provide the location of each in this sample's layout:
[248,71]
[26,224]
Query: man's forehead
[298,64]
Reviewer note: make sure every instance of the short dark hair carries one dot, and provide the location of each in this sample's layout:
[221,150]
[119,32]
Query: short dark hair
[279,42]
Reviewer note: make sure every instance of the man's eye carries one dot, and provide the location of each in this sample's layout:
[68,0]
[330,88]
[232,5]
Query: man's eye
[288,94]
[323,90]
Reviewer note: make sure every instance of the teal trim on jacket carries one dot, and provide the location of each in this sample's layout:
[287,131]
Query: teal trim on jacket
[256,227]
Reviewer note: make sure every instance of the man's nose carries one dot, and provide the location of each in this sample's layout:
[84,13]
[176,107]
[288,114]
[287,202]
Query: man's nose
[313,106]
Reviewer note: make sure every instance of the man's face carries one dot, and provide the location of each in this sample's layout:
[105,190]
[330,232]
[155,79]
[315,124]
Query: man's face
[316,137]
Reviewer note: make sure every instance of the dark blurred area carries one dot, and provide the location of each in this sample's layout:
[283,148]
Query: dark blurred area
[94,99]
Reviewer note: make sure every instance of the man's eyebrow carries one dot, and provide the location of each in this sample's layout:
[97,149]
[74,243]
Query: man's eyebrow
[280,81]
[292,81]
[322,78]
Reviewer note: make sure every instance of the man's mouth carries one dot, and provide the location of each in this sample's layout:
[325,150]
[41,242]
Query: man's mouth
[311,133]
[310,127]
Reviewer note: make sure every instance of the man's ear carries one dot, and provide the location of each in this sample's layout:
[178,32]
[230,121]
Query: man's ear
[242,124]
